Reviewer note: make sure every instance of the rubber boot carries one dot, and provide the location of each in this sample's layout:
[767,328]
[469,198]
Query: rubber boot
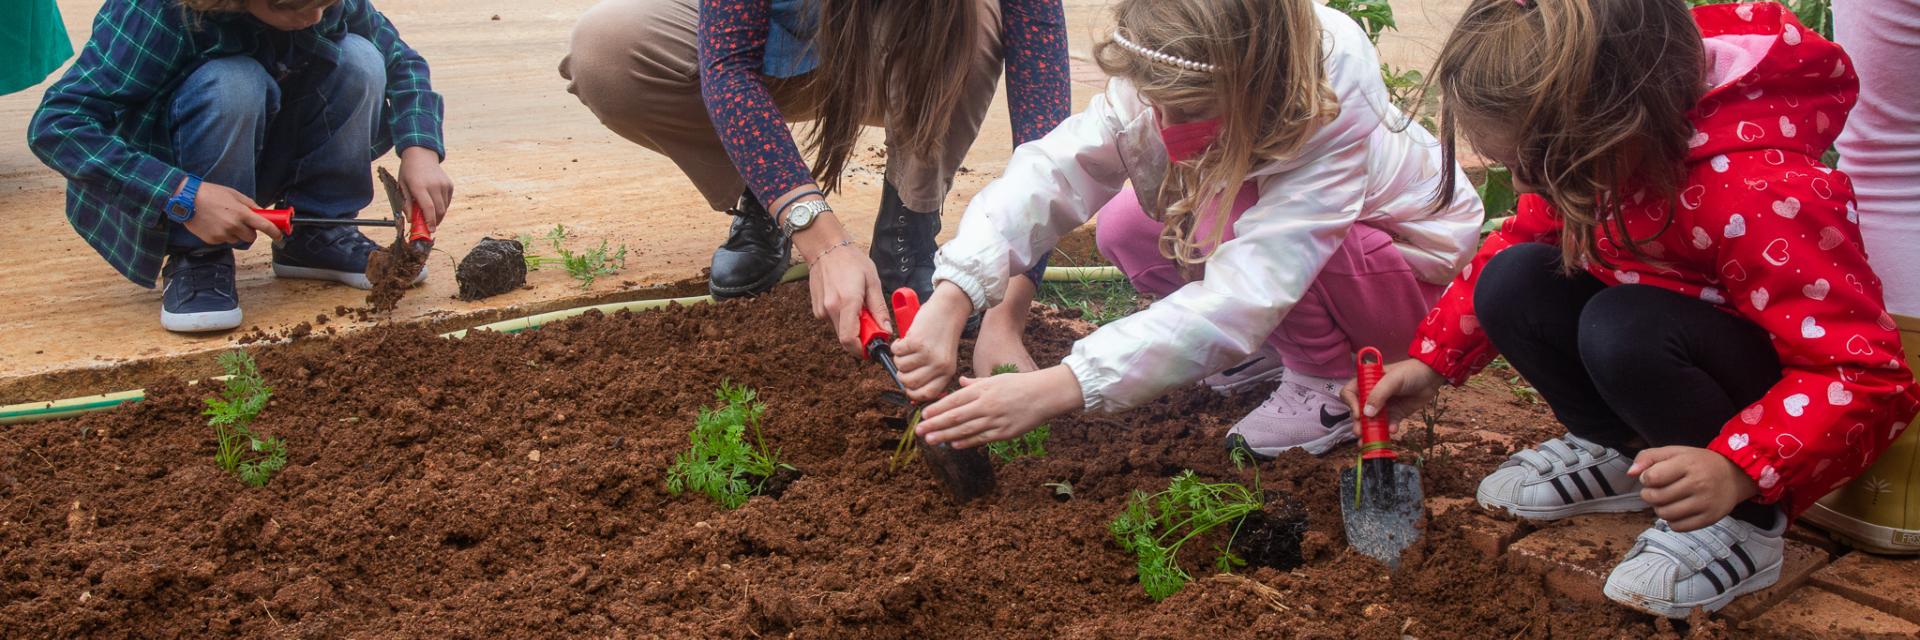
[754,256]
[903,245]
[1880,510]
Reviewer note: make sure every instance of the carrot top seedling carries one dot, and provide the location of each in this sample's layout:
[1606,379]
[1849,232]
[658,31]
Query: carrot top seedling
[586,267]
[719,462]
[1155,526]
[240,451]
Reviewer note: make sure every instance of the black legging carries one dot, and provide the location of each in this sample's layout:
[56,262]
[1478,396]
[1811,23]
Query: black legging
[1630,366]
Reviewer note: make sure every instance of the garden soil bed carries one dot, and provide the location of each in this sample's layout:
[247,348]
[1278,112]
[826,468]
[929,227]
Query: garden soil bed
[513,486]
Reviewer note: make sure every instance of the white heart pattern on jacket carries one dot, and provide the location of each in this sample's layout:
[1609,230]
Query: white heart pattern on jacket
[1830,238]
[1750,415]
[1733,271]
[1776,252]
[1720,163]
[1838,395]
[1759,298]
[1856,345]
[1818,290]
[1712,295]
[1701,240]
[1746,131]
[1787,127]
[1469,324]
[1811,329]
[1839,69]
[1821,188]
[1787,208]
[1737,441]
[1788,445]
[1885,321]
[1736,227]
[1427,345]
[1699,139]
[1796,404]
[1791,35]
[1626,277]
[1690,198]
[1821,122]
[1745,11]
[1853,214]
[1768,477]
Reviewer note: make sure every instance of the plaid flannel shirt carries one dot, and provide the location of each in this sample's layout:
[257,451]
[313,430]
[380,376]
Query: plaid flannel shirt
[104,125]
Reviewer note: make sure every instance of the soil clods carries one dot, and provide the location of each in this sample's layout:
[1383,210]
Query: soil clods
[392,270]
[493,267]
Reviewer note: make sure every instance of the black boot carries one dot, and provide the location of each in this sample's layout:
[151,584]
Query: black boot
[903,245]
[755,255]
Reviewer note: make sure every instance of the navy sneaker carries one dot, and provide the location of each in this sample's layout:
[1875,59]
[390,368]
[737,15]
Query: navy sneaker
[334,254]
[199,294]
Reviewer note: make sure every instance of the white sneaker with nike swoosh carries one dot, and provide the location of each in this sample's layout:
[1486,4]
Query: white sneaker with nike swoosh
[1306,412]
[1565,476]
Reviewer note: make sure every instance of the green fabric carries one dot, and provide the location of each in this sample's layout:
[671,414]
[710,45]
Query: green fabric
[33,43]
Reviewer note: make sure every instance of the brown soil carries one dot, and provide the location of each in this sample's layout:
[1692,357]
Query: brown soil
[392,270]
[513,486]
[493,267]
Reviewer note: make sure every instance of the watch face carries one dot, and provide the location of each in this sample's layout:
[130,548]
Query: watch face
[802,215]
[179,210]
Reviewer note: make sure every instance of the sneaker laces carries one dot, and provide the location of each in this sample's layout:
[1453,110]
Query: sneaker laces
[1696,549]
[1558,454]
[201,274]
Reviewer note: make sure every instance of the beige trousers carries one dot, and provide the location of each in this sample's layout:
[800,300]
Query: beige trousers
[635,64]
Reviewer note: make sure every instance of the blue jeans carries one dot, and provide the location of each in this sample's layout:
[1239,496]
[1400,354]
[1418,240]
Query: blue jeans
[307,139]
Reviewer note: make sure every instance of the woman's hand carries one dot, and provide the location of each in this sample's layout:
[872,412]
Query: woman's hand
[426,184]
[841,279]
[224,216]
[926,355]
[1407,386]
[1000,407]
[1691,487]
[1003,332]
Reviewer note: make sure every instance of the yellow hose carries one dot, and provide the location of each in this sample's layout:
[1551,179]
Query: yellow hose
[38,411]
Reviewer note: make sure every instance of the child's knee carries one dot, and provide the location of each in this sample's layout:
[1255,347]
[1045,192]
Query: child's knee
[1513,279]
[1125,235]
[362,69]
[231,89]
[1623,331]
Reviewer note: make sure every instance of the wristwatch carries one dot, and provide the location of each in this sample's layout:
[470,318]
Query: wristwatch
[800,215]
[180,206]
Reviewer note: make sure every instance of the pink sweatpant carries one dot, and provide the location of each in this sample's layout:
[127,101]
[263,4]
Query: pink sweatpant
[1365,296]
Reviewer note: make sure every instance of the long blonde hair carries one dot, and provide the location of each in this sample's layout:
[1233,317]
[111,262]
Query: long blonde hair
[912,60]
[1596,93]
[1268,86]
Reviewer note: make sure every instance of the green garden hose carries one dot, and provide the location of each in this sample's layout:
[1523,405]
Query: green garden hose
[39,411]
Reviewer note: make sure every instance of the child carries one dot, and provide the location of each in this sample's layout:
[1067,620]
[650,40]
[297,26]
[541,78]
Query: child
[181,116]
[1280,203]
[1684,283]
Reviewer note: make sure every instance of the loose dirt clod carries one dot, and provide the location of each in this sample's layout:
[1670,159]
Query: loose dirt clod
[493,267]
[392,269]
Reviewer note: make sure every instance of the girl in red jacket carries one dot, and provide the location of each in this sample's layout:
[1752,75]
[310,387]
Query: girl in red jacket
[1684,281]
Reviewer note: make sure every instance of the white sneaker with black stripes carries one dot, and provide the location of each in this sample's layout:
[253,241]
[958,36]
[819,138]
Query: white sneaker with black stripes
[1668,573]
[1565,476]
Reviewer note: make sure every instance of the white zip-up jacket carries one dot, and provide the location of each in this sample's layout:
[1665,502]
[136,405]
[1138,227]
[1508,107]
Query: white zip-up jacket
[1368,166]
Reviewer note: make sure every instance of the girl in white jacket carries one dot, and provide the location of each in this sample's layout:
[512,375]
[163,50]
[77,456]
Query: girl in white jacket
[1281,210]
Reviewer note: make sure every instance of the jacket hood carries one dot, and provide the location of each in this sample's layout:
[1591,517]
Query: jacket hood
[1775,86]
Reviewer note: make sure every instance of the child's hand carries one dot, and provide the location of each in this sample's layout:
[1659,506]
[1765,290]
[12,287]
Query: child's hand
[1407,386]
[927,353]
[426,184]
[993,409]
[1691,487]
[224,216]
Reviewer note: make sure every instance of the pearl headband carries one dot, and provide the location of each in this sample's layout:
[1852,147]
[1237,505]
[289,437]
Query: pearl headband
[1162,58]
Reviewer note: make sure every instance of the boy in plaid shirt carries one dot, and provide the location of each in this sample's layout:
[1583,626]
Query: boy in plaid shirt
[181,116]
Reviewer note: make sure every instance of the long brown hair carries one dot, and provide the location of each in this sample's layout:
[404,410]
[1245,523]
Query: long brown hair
[912,59]
[1596,95]
[236,6]
[1268,87]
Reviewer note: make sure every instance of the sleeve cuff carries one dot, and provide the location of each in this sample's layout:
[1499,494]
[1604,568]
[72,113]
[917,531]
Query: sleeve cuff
[948,270]
[1733,443]
[1092,382]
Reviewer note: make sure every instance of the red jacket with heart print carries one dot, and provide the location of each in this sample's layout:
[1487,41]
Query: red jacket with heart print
[1765,231]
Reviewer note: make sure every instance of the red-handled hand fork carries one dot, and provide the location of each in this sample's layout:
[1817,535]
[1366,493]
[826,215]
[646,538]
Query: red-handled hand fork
[414,228]
[878,343]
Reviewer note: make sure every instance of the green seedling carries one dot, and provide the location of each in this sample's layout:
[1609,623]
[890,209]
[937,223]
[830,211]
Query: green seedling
[1431,416]
[586,267]
[1032,444]
[240,451]
[719,462]
[1154,527]
[904,453]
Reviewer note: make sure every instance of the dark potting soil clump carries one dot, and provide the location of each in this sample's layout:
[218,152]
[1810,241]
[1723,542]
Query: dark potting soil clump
[1271,537]
[514,486]
[392,269]
[492,268]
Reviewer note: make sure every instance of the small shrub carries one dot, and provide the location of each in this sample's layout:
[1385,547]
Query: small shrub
[1154,527]
[240,451]
[1032,444]
[586,267]
[719,462]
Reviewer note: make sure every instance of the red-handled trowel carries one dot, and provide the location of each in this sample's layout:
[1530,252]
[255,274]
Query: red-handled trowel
[1380,499]
[965,474]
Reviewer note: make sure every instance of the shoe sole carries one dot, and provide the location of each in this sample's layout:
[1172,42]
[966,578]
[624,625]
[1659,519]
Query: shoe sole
[1764,578]
[1624,503]
[1237,386]
[761,286]
[355,280]
[201,322]
[1318,446]
[1863,535]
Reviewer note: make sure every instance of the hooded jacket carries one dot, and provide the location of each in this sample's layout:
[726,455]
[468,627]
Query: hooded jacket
[1763,230]
[1367,166]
